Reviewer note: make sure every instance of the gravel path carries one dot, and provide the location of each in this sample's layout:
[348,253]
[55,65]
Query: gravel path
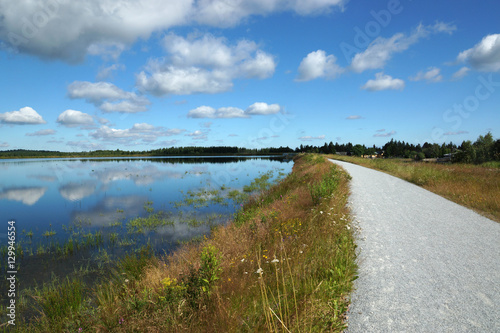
[426,264]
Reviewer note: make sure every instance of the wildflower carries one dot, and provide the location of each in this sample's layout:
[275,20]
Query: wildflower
[301,251]
[260,271]
[321,212]
[80,329]
[275,260]
[348,227]
[167,282]
[126,280]
[246,273]
[229,279]
[121,321]
[242,260]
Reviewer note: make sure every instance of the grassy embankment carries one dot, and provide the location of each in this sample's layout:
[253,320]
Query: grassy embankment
[473,186]
[285,264]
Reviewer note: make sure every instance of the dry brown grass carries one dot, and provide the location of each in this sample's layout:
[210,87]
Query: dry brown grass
[473,186]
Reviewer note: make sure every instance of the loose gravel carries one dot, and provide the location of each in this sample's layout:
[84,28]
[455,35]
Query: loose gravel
[426,264]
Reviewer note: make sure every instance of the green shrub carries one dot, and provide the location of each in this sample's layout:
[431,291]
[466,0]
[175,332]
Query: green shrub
[210,267]
[199,283]
[419,156]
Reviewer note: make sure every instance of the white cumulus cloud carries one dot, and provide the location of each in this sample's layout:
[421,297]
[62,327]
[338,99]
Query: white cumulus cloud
[171,80]
[73,118]
[485,55]
[209,112]
[318,65]
[258,108]
[68,30]
[383,82]
[261,66]
[108,97]
[206,64]
[96,92]
[197,135]
[24,116]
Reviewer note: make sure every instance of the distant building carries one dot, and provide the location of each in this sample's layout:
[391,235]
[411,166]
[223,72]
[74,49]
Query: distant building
[445,158]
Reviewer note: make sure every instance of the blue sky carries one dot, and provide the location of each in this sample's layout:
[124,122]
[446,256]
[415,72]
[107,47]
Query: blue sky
[140,75]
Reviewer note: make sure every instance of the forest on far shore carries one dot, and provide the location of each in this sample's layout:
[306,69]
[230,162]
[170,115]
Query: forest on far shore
[484,149]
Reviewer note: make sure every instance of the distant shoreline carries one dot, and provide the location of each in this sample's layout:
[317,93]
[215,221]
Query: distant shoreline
[164,152]
[133,155]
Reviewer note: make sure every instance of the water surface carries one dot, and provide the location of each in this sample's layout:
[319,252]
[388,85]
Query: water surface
[56,200]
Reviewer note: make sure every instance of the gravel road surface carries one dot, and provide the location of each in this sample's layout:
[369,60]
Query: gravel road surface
[426,264]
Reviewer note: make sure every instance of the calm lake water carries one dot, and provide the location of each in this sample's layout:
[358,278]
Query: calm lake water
[91,201]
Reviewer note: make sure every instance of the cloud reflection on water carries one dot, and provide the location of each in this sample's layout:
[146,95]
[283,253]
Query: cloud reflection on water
[27,195]
[108,210]
[140,176]
[75,192]
[44,178]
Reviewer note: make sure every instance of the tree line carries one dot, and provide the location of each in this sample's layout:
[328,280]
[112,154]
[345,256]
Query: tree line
[484,149]
[172,151]
[218,150]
